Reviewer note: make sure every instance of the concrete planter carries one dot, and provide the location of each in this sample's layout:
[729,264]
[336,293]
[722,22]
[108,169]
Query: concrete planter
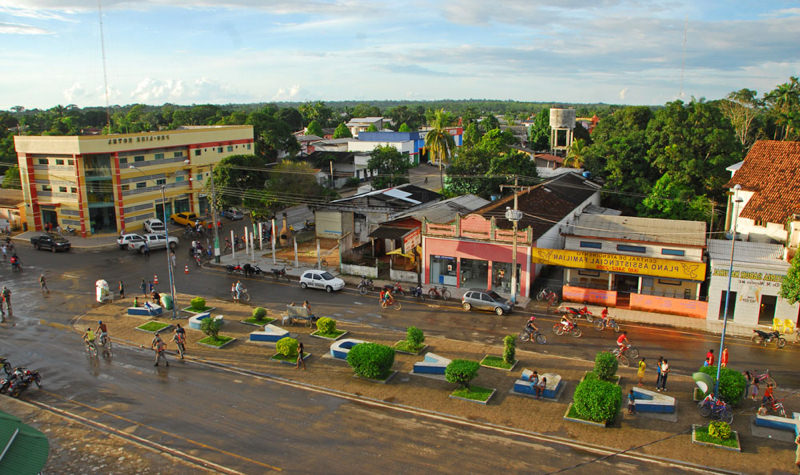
[316,334]
[379,381]
[582,421]
[217,347]
[475,400]
[195,312]
[266,321]
[738,447]
[293,362]
[166,328]
[425,347]
[497,367]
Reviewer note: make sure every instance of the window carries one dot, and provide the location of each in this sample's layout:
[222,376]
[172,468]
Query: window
[62,189]
[123,160]
[179,179]
[42,161]
[669,282]
[126,187]
[219,150]
[73,190]
[177,154]
[70,162]
[197,152]
[589,273]
[47,188]
[59,161]
[141,184]
[230,148]
[161,181]
[138,158]
[199,177]
[159,156]
[248,146]
[592,245]
[759,222]
[673,252]
[627,248]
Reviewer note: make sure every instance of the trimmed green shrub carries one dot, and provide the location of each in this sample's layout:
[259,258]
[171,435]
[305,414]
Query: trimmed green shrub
[198,303]
[731,383]
[509,349]
[605,365]
[461,372]
[414,337]
[287,346]
[597,400]
[210,326]
[326,325]
[259,313]
[371,360]
[719,429]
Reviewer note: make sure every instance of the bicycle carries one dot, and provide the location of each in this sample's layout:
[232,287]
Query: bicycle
[244,296]
[91,349]
[764,378]
[548,295]
[434,293]
[621,357]
[559,329]
[602,323]
[390,302]
[105,343]
[537,337]
[715,408]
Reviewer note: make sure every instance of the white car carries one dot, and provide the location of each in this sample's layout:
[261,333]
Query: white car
[321,279]
[126,239]
[154,225]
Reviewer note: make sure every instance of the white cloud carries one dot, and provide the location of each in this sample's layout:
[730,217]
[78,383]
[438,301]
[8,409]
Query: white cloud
[623,93]
[19,29]
[287,94]
[179,91]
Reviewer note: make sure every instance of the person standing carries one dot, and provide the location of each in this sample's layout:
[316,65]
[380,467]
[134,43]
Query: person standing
[152,287]
[658,372]
[640,373]
[631,403]
[43,284]
[121,290]
[709,358]
[172,258]
[146,249]
[300,359]
[159,347]
[7,299]
[664,374]
[144,288]
[723,358]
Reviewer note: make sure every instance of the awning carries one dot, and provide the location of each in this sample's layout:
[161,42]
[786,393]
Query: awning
[23,449]
[389,232]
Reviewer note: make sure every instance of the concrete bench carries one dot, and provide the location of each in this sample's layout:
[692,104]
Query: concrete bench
[652,401]
[554,384]
[780,423]
[341,348]
[269,334]
[195,322]
[296,314]
[150,311]
[432,364]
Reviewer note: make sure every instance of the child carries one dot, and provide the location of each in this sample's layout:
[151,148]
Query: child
[631,402]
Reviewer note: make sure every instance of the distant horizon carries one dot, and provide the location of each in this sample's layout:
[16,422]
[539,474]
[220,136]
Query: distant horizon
[183,52]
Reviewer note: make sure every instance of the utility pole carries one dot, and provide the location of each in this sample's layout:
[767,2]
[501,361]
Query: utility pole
[513,215]
[214,217]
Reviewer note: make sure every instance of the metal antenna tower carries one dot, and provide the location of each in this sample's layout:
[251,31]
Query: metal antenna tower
[105,73]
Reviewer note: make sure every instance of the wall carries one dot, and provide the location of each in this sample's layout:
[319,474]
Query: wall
[687,308]
[403,276]
[328,224]
[593,296]
[694,254]
[351,269]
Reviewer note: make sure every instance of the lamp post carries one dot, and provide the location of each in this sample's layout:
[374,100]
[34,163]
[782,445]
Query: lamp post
[166,235]
[514,215]
[736,201]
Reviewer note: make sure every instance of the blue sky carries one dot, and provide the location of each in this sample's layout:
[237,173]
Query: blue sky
[221,51]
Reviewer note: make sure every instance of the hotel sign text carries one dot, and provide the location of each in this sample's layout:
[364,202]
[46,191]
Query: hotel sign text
[621,263]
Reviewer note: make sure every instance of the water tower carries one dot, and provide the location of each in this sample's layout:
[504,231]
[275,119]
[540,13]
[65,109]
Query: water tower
[562,125]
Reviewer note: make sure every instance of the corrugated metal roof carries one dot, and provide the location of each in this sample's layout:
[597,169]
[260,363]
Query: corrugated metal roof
[747,252]
[445,211]
[672,231]
[28,450]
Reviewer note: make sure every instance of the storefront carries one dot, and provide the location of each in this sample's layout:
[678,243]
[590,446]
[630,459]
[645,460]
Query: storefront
[758,270]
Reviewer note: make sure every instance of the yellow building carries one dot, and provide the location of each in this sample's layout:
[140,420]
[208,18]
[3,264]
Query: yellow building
[112,183]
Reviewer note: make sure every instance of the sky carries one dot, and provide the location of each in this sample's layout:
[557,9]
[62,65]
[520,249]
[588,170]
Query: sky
[242,51]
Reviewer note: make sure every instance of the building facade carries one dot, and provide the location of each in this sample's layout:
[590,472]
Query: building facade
[112,183]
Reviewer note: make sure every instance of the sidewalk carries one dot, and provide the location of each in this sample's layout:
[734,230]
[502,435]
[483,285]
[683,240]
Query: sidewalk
[94,243]
[431,396]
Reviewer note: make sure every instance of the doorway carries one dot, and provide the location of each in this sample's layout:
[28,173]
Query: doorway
[160,211]
[50,217]
[767,310]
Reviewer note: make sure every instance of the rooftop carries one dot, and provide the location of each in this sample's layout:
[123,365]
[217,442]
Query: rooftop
[400,197]
[747,252]
[444,211]
[630,228]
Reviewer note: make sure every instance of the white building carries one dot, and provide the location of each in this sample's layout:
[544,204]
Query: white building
[361,124]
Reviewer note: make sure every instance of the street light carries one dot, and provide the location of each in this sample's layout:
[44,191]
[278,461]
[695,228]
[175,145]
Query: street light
[736,201]
[166,235]
[514,215]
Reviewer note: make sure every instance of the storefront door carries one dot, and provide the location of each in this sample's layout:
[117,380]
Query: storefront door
[767,311]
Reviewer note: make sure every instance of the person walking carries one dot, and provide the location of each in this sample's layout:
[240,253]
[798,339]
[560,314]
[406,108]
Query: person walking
[664,374]
[7,299]
[152,287]
[631,403]
[723,358]
[144,288]
[640,373]
[146,249]
[121,290]
[172,258]
[709,358]
[159,347]
[300,359]
[658,371]
[43,284]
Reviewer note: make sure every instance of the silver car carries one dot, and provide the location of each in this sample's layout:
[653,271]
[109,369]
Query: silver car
[485,300]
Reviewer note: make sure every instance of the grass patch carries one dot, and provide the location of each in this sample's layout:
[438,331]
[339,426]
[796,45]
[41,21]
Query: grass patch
[332,335]
[475,393]
[152,326]
[218,341]
[263,321]
[496,362]
[407,347]
[288,359]
[198,310]
[701,435]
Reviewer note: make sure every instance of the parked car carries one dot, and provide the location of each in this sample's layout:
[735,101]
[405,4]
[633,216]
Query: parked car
[320,279]
[154,241]
[485,300]
[154,225]
[186,219]
[233,214]
[53,242]
[126,239]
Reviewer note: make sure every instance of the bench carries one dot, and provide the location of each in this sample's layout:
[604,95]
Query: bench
[431,364]
[779,423]
[296,314]
[269,334]
[149,311]
[651,401]
[195,322]
[341,348]
[554,384]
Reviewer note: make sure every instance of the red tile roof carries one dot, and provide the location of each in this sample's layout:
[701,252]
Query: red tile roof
[772,171]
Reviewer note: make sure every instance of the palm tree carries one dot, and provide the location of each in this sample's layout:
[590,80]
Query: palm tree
[439,142]
[576,154]
[784,99]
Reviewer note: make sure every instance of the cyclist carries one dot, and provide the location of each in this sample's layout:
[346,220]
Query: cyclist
[604,314]
[768,397]
[567,322]
[179,337]
[238,288]
[531,327]
[89,338]
[622,342]
[386,297]
[102,331]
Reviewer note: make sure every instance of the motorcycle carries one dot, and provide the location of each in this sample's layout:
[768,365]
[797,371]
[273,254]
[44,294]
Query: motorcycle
[366,285]
[22,379]
[760,337]
[561,328]
[547,295]
[280,273]
[6,366]
[418,293]
[715,408]
[434,293]
[237,268]
[395,289]
[578,312]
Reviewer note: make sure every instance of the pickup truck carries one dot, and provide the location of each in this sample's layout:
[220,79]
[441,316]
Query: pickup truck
[154,241]
[53,242]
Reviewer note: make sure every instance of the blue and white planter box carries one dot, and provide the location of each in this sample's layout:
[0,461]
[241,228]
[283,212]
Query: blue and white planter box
[554,384]
[146,311]
[432,364]
[270,334]
[196,321]
[652,401]
[780,423]
[341,348]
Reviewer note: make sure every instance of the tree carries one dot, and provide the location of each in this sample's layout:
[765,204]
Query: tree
[391,166]
[790,286]
[291,116]
[342,132]
[439,142]
[316,111]
[404,128]
[236,174]
[490,122]
[741,108]
[372,128]
[405,115]
[289,183]
[272,135]
[784,102]
[472,135]
[539,131]
[11,178]
[314,129]
[366,110]
[576,154]
[671,198]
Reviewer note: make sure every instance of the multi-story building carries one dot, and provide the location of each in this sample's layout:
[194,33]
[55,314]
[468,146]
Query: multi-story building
[112,183]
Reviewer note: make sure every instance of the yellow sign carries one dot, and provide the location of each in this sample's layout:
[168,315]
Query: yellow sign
[621,263]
